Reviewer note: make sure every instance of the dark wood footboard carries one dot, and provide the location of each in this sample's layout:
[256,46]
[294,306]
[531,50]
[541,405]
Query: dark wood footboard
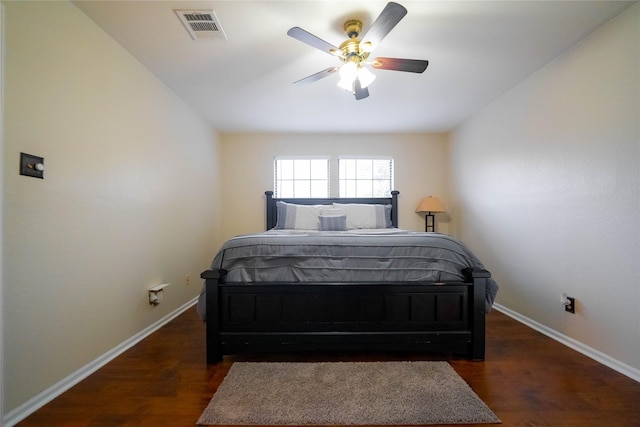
[283,317]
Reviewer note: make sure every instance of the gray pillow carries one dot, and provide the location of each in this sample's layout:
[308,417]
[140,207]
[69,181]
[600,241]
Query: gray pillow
[332,223]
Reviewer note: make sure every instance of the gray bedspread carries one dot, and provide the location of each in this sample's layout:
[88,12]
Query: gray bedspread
[382,255]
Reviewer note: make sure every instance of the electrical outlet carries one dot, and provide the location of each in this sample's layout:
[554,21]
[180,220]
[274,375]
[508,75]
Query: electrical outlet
[570,305]
[187,279]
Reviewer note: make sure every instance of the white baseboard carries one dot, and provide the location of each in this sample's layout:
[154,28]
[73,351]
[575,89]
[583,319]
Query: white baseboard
[23,411]
[594,354]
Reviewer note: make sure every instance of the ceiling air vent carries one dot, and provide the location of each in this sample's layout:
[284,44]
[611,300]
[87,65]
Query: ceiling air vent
[201,24]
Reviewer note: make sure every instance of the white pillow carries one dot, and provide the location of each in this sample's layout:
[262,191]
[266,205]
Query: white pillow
[366,216]
[297,217]
[329,210]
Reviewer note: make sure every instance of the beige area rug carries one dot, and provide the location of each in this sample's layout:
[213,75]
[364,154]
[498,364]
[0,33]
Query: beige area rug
[407,393]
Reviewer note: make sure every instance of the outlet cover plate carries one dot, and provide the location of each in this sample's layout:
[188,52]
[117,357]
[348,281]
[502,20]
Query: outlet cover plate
[27,165]
[571,307]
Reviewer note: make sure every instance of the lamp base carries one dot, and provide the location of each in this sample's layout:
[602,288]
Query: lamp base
[429,222]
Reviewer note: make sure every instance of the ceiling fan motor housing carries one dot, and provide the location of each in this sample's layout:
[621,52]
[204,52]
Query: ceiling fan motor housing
[351,51]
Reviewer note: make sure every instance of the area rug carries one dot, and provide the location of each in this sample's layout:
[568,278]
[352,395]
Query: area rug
[380,393]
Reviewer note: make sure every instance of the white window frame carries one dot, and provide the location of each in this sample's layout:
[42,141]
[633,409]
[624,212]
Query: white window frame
[287,184]
[364,183]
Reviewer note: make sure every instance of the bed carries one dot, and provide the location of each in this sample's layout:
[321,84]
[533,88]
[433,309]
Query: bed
[339,275]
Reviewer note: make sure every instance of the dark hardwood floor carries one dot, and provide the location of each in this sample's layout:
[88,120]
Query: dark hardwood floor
[527,379]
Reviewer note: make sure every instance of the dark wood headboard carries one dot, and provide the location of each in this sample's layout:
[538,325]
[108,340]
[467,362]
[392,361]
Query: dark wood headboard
[272,210]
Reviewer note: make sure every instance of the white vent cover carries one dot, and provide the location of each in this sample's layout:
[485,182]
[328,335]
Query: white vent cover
[201,24]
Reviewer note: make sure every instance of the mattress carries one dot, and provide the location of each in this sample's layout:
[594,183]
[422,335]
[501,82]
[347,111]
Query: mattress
[388,255]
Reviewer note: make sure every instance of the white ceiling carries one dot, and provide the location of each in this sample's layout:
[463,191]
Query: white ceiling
[477,51]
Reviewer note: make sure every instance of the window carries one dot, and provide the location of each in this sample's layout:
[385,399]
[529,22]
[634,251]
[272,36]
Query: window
[301,177]
[365,177]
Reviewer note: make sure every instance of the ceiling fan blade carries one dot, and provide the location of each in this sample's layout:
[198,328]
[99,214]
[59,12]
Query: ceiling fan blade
[384,23]
[317,76]
[359,91]
[397,64]
[308,38]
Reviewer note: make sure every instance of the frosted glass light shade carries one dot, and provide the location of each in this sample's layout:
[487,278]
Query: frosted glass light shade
[349,71]
[346,85]
[366,77]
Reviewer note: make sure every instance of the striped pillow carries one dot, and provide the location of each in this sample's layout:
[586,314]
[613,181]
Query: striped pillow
[332,223]
[297,217]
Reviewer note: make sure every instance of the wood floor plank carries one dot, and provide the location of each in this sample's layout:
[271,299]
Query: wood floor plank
[527,379]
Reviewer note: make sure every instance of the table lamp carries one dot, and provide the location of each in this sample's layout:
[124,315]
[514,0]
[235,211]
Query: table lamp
[430,205]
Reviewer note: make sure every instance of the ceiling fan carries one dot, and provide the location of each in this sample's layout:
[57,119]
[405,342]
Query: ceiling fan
[354,52]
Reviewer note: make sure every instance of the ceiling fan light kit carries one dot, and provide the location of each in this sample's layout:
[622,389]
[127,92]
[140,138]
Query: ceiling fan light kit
[355,77]
[354,57]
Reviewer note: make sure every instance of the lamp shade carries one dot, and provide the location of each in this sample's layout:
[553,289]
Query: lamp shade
[430,204]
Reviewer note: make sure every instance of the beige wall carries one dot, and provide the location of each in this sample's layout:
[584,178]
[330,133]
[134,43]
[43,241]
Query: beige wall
[127,201]
[420,164]
[547,182]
